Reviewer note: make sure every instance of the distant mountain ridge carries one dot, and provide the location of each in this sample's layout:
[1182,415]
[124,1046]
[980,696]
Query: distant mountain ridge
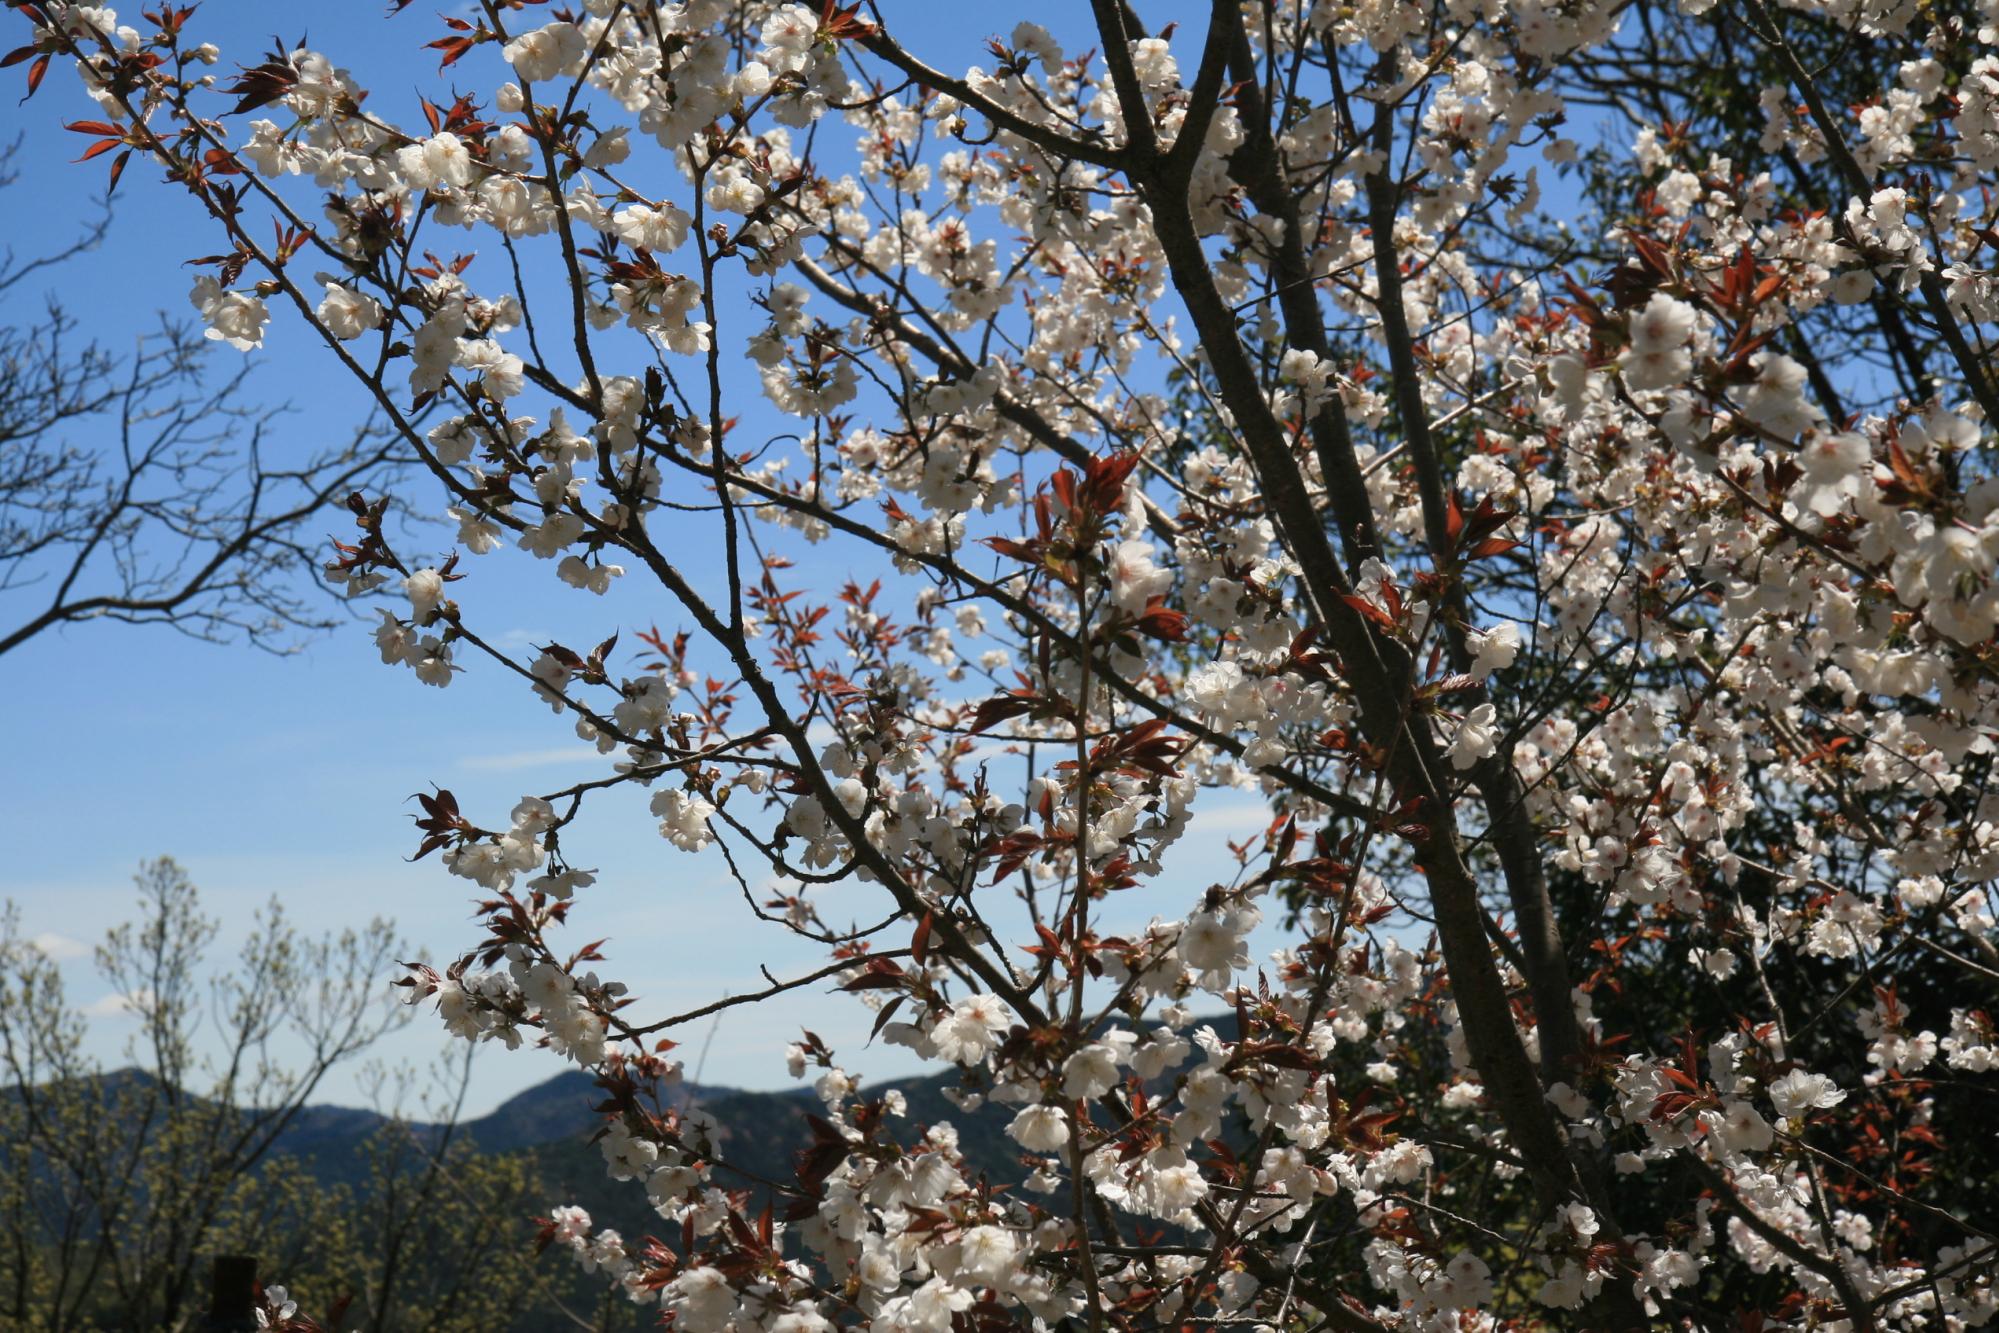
[560,1109]
[551,1124]
[553,1110]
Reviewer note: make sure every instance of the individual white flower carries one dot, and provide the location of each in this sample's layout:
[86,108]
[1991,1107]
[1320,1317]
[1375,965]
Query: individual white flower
[987,1253]
[546,52]
[1853,286]
[425,589]
[787,36]
[1176,1189]
[1835,463]
[1222,690]
[1663,321]
[1568,378]
[608,149]
[1718,963]
[448,159]
[1657,357]
[232,317]
[972,1029]
[1494,649]
[548,538]
[533,814]
[801,1318]
[683,818]
[430,659]
[571,1225]
[1313,376]
[1040,1128]
[547,988]
[561,885]
[701,1300]
[1776,400]
[1152,60]
[348,314]
[502,375]
[753,80]
[657,229]
[393,639]
[1798,1092]
[1090,1071]
[1571,1103]
[434,348]
[928,1309]
[1469,1279]
[1135,579]
[1212,941]
[1164,1051]
[1477,737]
[1206,943]
[1743,1128]
[269,150]
[476,533]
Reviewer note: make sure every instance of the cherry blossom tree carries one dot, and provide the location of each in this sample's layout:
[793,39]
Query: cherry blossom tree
[1603,605]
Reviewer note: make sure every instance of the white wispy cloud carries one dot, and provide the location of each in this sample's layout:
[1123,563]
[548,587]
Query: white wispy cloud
[517,759]
[118,1004]
[59,948]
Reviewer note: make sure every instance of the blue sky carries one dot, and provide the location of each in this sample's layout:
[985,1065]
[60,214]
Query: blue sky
[290,776]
